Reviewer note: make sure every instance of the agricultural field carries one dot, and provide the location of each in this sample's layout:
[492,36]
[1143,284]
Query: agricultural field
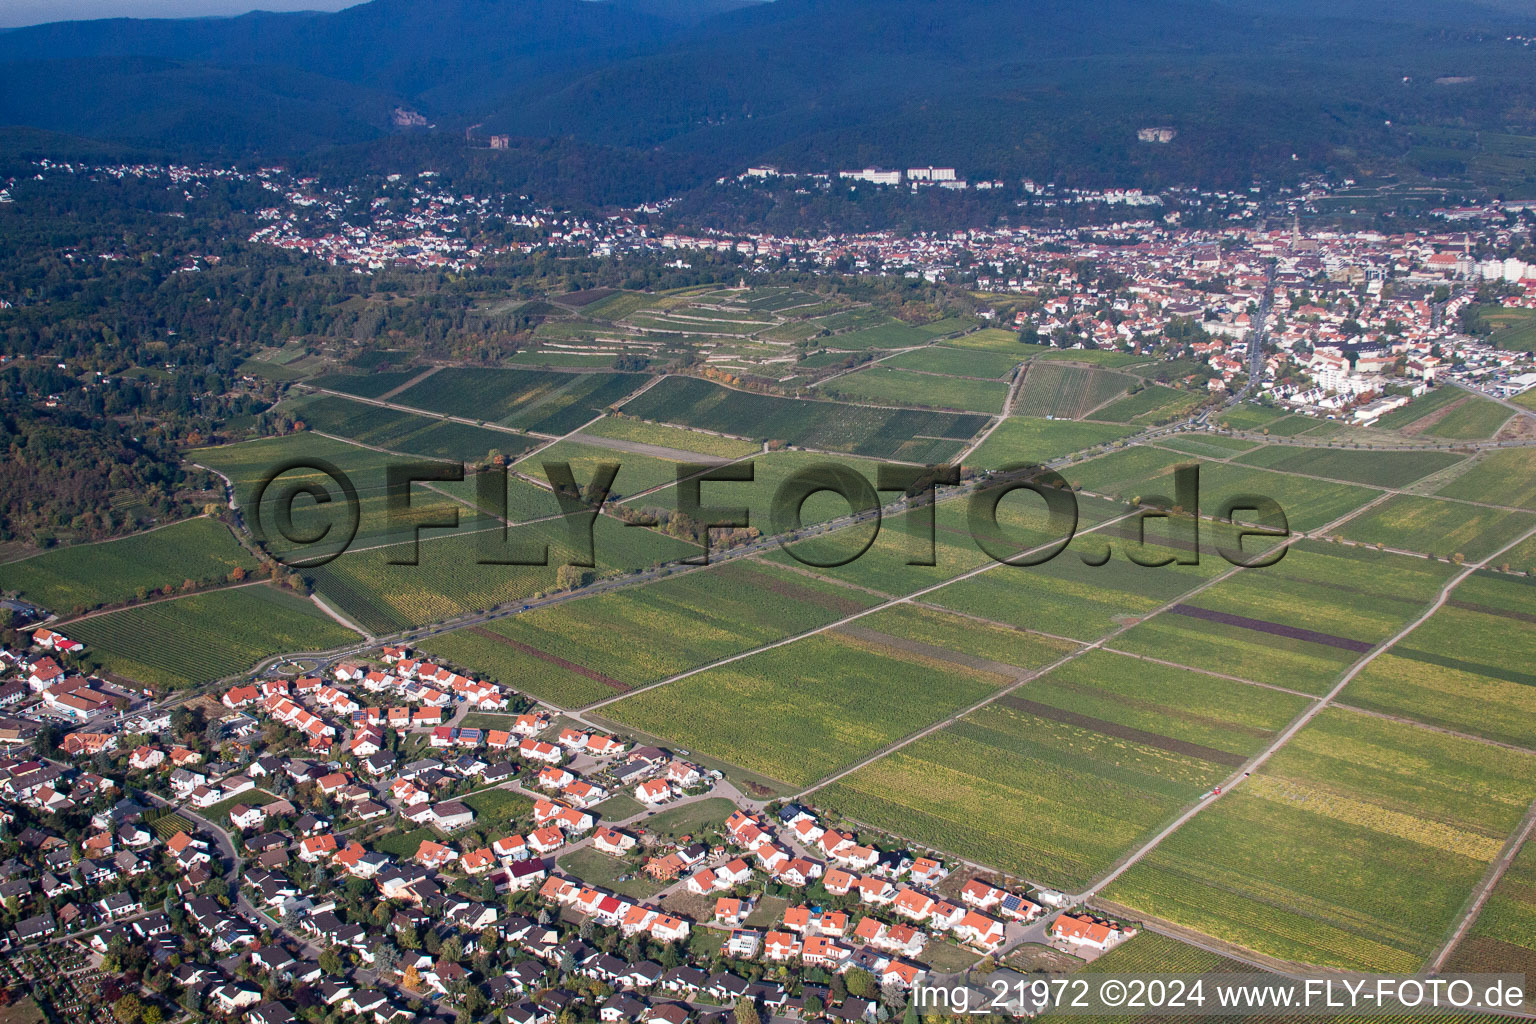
[1308,504]
[204,637]
[1098,748]
[627,428]
[995,339]
[1248,416]
[1355,847]
[1297,624]
[1126,473]
[1352,465]
[887,335]
[1503,938]
[906,435]
[366,385]
[405,432]
[1207,445]
[1438,527]
[1067,597]
[1062,391]
[450,580]
[1151,405]
[1153,953]
[1468,667]
[1027,439]
[541,401]
[769,472]
[957,362]
[1109,358]
[1500,477]
[636,472]
[1514,329]
[581,651]
[249,464]
[887,566]
[802,711]
[1474,419]
[884,385]
[86,576]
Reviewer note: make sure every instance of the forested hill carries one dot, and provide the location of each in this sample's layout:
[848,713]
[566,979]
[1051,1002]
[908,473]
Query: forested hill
[689,89]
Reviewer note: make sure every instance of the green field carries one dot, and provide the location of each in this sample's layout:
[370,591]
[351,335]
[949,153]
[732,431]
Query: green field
[1346,598]
[1471,420]
[543,401]
[627,428]
[1501,478]
[250,464]
[1125,473]
[405,432]
[957,362]
[1067,597]
[449,579]
[1111,358]
[888,335]
[1355,847]
[1209,446]
[799,712]
[899,387]
[1514,328]
[908,435]
[206,636]
[639,635]
[1153,404]
[1503,938]
[85,576]
[1308,504]
[1027,439]
[1055,781]
[366,385]
[1438,527]
[1248,416]
[1352,465]
[1468,667]
[1061,391]
[995,339]
[596,868]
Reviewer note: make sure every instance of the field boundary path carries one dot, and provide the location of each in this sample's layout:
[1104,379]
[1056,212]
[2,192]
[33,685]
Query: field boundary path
[1301,720]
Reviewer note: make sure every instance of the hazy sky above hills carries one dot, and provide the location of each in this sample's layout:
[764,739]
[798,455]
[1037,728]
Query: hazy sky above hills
[32,12]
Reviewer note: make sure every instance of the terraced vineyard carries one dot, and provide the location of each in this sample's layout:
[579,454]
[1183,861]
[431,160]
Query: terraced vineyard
[198,639]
